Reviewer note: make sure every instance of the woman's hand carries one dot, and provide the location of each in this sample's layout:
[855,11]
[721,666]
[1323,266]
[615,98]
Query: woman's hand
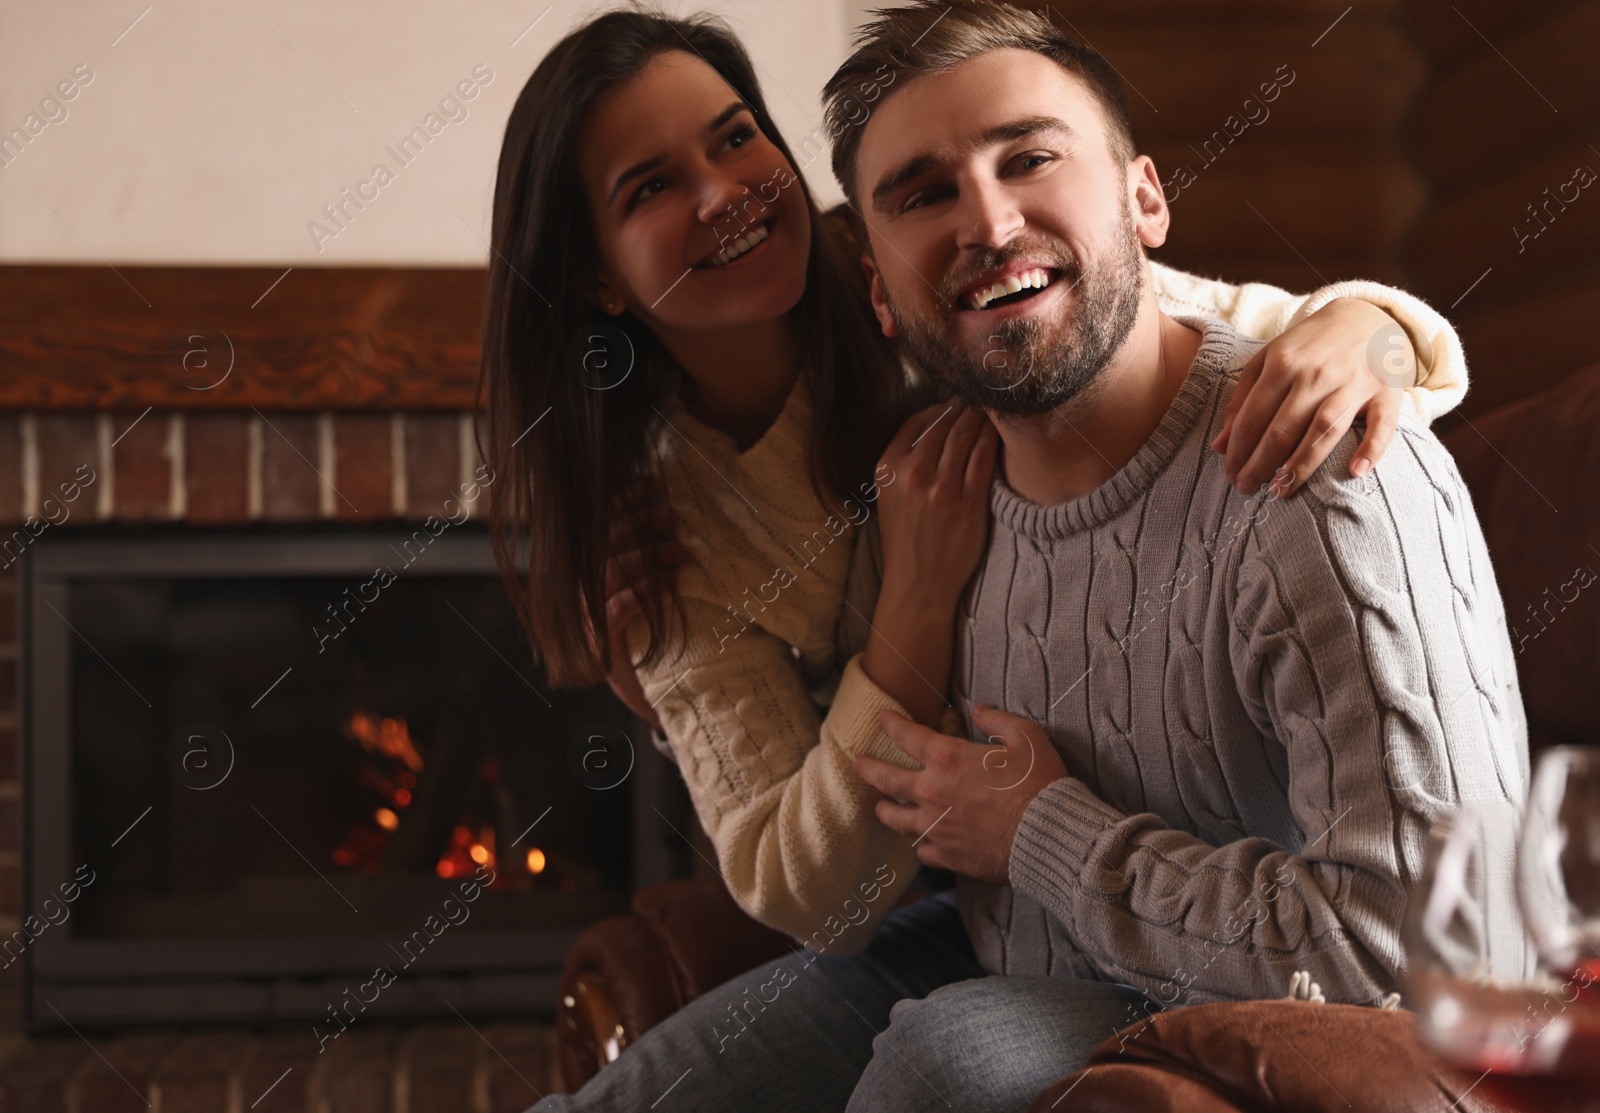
[1298,395]
[623,603]
[934,527]
[934,515]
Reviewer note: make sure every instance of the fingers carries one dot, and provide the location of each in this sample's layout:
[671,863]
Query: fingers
[623,607]
[1001,726]
[891,780]
[912,738]
[980,465]
[919,425]
[958,447]
[1330,422]
[1249,374]
[1259,415]
[657,525]
[1383,413]
[623,569]
[902,819]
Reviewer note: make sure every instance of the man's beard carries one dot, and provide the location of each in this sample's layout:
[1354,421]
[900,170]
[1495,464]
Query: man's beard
[1030,366]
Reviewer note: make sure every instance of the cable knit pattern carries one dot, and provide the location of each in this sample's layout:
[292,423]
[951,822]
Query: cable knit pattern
[767,629]
[1262,705]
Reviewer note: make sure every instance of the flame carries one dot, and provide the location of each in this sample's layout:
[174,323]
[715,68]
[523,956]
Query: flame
[386,819]
[387,736]
[535,860]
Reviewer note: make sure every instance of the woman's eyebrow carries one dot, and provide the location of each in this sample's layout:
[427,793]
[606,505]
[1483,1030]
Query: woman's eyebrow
[654,161]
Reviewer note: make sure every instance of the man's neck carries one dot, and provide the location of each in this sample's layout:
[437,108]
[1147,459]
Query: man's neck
[1062,455]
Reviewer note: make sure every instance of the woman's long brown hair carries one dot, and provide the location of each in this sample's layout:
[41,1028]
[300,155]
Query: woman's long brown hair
[570,459]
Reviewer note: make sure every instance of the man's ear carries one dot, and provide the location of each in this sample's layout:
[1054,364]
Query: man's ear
[1147,202]
[598,292]
[880,300]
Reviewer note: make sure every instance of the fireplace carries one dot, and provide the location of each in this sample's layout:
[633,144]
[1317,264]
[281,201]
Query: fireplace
[308,773]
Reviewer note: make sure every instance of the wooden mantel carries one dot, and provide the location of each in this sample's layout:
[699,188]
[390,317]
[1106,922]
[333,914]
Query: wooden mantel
[314,338]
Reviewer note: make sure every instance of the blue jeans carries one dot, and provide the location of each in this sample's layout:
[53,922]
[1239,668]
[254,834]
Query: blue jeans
[911,1023]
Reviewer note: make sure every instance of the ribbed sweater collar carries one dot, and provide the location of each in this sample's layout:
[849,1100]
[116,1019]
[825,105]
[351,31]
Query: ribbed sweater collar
[1220,350]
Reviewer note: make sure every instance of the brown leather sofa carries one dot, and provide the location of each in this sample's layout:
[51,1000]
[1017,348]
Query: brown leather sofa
[1533,468]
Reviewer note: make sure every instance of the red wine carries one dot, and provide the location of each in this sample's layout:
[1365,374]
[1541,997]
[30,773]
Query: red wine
[1556,1066]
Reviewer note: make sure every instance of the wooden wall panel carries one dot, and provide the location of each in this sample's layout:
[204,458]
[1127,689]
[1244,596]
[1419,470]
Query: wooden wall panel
[321,339]
[1523,343]
[1525,222]
[1362,79]
[1484,115]
[1452,29]
[1509,123]
[1326,200]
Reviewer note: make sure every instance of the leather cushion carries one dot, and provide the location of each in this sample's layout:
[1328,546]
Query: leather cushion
[1267,1055]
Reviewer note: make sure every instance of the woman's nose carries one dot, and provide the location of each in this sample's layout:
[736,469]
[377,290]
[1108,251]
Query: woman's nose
[726,202]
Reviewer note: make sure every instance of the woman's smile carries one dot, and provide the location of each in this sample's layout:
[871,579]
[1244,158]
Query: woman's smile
[740,249]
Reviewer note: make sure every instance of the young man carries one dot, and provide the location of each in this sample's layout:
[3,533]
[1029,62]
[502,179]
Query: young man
[1232,718]
[1228,720]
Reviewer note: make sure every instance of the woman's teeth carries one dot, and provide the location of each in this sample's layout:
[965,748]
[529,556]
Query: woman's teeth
[739,246]
[1036,279]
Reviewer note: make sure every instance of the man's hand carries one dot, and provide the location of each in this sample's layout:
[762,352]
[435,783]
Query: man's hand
[965,804]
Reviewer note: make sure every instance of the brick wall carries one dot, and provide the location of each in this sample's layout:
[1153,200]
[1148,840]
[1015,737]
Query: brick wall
[233,467]
[217,469]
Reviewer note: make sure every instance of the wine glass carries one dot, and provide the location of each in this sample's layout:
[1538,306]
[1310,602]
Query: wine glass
[1559,859]
[1470,974]
[1483,999]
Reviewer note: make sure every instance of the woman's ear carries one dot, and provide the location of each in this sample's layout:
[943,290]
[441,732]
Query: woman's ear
[599,293]
[1148,202]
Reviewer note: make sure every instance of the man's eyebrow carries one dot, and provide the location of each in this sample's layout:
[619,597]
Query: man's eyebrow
[920,164]
[650,164]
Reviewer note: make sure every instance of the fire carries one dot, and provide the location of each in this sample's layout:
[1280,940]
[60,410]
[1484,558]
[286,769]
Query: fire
[386,819]
[535,860]
[387,736]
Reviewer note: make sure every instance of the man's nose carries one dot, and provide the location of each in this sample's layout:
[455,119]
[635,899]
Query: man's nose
[986,215]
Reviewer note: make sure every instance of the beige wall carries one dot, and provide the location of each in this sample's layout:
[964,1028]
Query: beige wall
[216,132]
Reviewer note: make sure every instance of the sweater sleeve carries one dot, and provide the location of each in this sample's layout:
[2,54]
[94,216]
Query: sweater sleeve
[798,841]
[1263,311]
[1367,638]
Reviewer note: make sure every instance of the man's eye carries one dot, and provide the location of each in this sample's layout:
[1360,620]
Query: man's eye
[1033,161]
[923,197]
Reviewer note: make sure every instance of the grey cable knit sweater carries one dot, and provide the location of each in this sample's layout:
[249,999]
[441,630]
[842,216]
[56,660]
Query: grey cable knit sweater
[1262,705]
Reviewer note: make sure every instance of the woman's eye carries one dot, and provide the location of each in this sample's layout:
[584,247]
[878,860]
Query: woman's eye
[646,191]
[740,136]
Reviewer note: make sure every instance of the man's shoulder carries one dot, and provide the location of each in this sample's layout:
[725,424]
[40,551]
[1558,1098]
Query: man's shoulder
[1416,463]
[1223,351]
[1412,499]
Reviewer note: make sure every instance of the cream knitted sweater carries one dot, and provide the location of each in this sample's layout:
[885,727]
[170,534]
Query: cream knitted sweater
[766,625]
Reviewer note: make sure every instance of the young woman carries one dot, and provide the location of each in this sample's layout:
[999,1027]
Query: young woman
[693,413]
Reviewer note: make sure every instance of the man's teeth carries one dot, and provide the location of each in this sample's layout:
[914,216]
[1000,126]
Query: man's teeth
[1036,279]
[739,246]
